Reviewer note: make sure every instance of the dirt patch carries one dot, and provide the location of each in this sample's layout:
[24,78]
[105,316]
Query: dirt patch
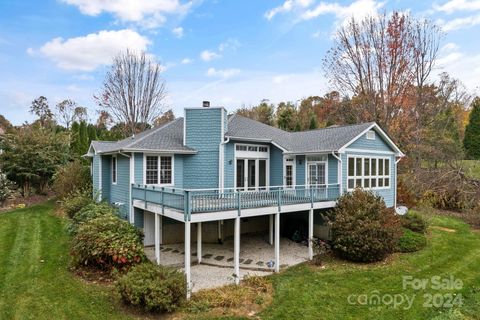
[443,229]
[92,275]
[22,202]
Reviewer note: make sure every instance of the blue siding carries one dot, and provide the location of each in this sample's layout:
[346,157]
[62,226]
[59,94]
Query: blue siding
[332,169]
[138,171]
[178,171]
[106,178]
[379,144]
[300,170]
[229,164]
[276,166]
[203,133]
[96,174]
[120,192]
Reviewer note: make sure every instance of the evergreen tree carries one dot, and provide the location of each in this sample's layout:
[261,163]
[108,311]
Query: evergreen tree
[471,141]
[313,122]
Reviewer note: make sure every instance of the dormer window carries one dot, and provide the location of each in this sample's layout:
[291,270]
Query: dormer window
[371,135]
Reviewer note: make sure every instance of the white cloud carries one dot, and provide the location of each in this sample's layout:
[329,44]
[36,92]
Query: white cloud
[225,73]
[281,78]
[148,13]
[460,65]
[460,23]
[452,6]
[231,44]
[287,6]
[178,32]
[207,55]
[186,61]
[89,52]
[357,9]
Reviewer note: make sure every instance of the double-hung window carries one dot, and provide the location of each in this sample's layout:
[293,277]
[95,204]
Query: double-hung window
[114,169]
[368,172]
[158,170]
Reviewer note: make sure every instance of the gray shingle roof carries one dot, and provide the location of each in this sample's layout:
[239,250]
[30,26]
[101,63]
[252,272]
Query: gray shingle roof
[168,137]
[320,140]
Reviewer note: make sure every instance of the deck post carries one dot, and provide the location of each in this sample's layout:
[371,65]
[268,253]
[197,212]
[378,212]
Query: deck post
[310,234]
[236,249]
[157,238]
[199,242]
[270,230]
[277,242]
[187,258]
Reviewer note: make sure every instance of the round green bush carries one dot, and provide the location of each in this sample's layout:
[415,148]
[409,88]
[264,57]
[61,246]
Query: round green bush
[414,222]
[411,241]
[363,228]
[153,288]
[75,201]
[107,243]
[90,212]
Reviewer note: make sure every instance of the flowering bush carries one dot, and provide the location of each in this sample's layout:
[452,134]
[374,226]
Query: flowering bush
[7,188]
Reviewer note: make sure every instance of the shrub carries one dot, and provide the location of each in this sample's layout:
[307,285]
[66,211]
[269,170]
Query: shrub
[90,212]
[71,177]
[76,200]
[107,243]
[363,228]
[411,241]
[153,288]
[414,222]
[7,188]
[320,249]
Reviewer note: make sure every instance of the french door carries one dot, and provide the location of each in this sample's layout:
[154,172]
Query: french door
[289,173]
[251,174]
[317,175]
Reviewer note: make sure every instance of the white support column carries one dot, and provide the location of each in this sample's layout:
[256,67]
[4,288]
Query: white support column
[199,242]
[187,258]
[157,238]
[270,238]
[310,234]
[160,229]
[236,250]
[277,242]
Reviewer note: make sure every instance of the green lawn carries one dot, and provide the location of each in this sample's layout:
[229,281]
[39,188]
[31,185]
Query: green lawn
[472,168]
[35,282]
[34,279]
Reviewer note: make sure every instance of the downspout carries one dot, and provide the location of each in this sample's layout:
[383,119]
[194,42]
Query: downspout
[339,174]
[221,161]
[396,182]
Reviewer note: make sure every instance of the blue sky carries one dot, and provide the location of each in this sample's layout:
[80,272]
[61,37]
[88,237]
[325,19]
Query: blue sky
[232,53]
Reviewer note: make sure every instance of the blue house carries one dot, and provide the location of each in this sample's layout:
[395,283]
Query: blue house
[235,175]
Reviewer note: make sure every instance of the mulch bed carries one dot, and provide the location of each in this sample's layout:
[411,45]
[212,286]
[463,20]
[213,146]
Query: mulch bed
[21,202]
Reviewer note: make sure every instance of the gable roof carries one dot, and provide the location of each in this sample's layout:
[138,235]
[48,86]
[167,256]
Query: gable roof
[165,138]
[335,138]
[169,138]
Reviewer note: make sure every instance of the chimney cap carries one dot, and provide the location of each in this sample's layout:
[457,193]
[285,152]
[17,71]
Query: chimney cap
[206,104]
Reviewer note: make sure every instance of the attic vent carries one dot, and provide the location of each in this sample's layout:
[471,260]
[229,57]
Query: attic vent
[371,135]
[206,104]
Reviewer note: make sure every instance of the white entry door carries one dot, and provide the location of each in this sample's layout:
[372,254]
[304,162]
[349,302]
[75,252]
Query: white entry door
[251,174]
[289,172]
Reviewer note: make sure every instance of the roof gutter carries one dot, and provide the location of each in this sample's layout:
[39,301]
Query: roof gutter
[339,171]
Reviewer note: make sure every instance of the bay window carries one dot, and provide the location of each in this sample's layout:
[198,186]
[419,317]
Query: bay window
[159,170]
[368,172]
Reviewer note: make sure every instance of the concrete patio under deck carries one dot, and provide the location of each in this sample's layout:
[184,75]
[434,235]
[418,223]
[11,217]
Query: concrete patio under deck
[217,266]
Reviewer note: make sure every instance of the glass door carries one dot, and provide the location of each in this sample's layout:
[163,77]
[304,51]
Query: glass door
[316,174]
[251,174]
[240,174]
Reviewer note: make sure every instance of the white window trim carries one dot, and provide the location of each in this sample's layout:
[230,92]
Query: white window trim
[251,155]
[307,182]
[145,155]
[370,135]
[362,177]
[294,171]
[116,169]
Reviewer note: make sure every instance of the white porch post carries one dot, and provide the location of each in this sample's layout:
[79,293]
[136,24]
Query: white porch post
[236,249]
[199,242]
[157,238]
[277,242]
[187,258]
[270,238]
[310,234]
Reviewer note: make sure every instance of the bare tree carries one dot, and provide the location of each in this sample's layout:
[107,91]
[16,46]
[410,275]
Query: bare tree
[379,59]
[41,109]
[69,111]
[133,91]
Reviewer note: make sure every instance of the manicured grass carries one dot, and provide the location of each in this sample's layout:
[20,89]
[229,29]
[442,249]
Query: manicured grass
[306,292]
[35,282]
[34,279]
